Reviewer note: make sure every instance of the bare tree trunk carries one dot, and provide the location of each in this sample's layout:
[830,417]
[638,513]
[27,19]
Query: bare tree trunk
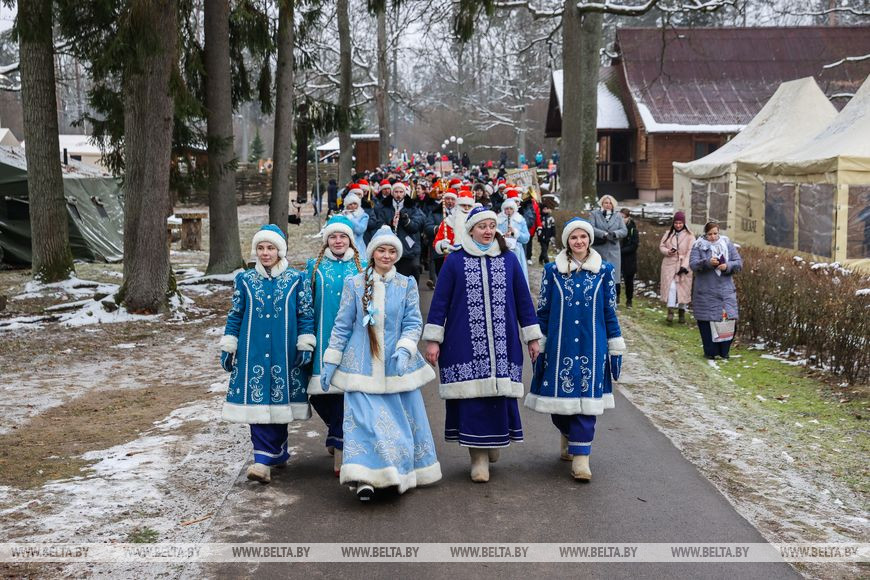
[590,39]
[148,115]
[302,154]
[52,257]
[381,96]
[279,203]
[572,118]
[345,158]
[225,254]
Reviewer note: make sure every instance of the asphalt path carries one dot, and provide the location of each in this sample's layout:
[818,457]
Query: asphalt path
[642,490]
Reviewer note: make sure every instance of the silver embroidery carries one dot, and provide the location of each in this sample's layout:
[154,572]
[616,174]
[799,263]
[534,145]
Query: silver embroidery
[254,384]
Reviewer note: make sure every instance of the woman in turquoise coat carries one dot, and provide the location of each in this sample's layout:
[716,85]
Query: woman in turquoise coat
[373,358]
[266,347]
[582,352]
[338,259]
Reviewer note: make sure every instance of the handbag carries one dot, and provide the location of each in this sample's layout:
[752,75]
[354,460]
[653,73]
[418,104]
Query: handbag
[723,330]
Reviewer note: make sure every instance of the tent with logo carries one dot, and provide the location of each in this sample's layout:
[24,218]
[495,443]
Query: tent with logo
[94,203]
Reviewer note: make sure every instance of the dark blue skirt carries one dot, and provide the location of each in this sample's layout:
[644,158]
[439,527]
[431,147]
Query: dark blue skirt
[483,422]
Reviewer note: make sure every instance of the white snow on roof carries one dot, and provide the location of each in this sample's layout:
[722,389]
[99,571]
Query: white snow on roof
[653,126]
[611,113]
[75,144]
[14,157]
[331,145]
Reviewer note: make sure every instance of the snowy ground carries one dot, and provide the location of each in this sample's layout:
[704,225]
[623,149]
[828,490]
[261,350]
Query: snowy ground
[163,480]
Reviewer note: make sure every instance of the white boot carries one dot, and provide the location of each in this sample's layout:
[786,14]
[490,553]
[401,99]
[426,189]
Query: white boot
[260,472]
[336,462]
[365,492]
[493,455]
[479,465]
[563,452]
[580,468]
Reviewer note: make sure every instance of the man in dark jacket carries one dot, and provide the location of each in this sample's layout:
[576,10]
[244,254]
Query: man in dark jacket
[628,251]
[399,211]
[332,195]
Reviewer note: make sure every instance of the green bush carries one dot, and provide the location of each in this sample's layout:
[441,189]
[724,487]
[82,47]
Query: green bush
[811,310]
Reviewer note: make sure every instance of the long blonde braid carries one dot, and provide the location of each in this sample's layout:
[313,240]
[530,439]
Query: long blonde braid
[367,296]
[316,266]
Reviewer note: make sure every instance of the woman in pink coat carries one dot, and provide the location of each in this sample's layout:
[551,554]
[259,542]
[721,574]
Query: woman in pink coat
[676,281]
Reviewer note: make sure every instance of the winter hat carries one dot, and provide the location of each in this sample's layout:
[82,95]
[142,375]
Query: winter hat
[337,225]
[455,181]
[477,215]
[512,202]
[449,193]
[352,197]
[401,187]
[272,234]
[384,237]
[385,184]
[680,217]
[512,193]
[577,223]
[465,198]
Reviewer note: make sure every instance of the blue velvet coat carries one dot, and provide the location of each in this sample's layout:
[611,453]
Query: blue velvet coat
[577,314]
[482,314]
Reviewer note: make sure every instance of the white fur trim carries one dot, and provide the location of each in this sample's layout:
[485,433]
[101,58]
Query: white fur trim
[347,257]
[265,413]
[467,201]
[378,384]
[449,194]
[543,345]
[390,476]
[509,203]
[272,238]
[579,224]
[407,344]
[530,333]
[352,198]
[315,389]
[592,263]
[384,237]
[433,333]
[276,270]
[615,345]
[477,218]
[336,228]
[388,277]
[229,343]
[488,387]
[569,406]
[469,245]
[306,342]
[443,247]
[332,356]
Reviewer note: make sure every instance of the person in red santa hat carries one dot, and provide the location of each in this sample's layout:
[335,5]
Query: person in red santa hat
[451,232]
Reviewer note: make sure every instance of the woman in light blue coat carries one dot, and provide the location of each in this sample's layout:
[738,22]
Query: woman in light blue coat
[373,358]
[338,259]
[515,231]
[266,348]
[359,219]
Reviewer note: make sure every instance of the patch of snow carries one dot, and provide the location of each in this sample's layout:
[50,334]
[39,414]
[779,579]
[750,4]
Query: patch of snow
[127,345]
[760,398]
[94,313]
[863,292]
[794,363]
[653,126]
[787,457]
[312,434]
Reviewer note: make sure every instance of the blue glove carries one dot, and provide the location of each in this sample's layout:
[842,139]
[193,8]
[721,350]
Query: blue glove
[401,356]
[326,375]
[303,358]
[227,360]
[615,366]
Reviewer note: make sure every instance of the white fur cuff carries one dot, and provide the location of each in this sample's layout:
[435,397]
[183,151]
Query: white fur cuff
[615,345]
[543,344]
[332,356]
[408,345]
[433,333]
[306,342]
[530,333]
[229,343]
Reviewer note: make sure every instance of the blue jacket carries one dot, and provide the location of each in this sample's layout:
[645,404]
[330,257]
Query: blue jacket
[577,314]
[326,291]
[521,239]
[712,293]
[482,314]
[270,319]
[360,222]
[398,323]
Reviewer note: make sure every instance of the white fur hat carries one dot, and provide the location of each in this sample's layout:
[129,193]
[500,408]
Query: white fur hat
[577,223]
[272,234]
[509,203]
[477,215]
[352,198]
[384,237]
[337,225]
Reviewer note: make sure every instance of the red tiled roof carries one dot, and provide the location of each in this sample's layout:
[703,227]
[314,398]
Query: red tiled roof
[723,76]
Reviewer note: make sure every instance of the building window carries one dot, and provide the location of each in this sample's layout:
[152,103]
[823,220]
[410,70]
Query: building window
[704,148]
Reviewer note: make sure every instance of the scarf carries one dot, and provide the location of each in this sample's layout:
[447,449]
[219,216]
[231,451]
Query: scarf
[483,247]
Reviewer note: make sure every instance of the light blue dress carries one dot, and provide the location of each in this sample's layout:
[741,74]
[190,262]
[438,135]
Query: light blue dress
[523,237]
[360,223]
[387,438]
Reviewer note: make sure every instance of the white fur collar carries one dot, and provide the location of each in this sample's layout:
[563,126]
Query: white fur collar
[348,255]
[592,263]
[276,271]
[471,248]
[388,277]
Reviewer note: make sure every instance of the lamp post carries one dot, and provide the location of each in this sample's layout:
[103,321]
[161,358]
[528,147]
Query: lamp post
[459,142]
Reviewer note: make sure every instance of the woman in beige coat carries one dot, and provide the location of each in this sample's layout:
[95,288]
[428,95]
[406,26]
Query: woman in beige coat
[676,281]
